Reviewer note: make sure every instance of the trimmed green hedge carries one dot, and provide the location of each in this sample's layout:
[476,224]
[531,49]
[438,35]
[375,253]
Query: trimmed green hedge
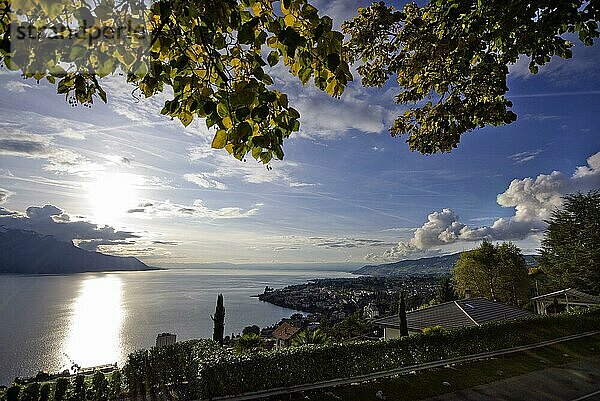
[201,369]
[238,374]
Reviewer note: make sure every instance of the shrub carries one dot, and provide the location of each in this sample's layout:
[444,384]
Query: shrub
[434,330]
[202,369]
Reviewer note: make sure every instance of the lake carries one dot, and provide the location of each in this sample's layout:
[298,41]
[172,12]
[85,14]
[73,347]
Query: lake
[97,318]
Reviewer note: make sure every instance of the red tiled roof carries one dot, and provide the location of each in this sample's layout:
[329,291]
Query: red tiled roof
[285,331]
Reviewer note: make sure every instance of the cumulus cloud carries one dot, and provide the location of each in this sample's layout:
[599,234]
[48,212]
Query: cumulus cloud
[533,199]
[197,210]
[51,220]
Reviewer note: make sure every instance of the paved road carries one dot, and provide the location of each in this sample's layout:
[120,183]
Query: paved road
[577,381]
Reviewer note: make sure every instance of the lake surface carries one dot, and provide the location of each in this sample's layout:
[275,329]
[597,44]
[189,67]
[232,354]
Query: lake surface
[97,318]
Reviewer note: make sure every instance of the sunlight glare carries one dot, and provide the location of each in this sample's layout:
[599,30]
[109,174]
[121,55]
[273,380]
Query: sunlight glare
[111,195]
[97,317]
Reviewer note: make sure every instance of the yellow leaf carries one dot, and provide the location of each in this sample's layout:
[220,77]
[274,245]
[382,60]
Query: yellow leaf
[227,122]
[257,9]
[289,20]
[220,139]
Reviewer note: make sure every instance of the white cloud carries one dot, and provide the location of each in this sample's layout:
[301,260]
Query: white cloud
[204,180]
[4,195]
[17,86]
[51,220]
[14,142]
[522,157]
[222,165]
[533,199]
[196,210]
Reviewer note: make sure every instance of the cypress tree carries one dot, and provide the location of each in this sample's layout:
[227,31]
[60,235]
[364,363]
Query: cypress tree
[219,320]
[402,315]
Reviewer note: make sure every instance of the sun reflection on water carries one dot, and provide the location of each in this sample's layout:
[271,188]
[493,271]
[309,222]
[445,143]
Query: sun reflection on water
[97,316]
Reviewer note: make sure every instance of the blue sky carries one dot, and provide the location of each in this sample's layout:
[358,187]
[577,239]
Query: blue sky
[346,191]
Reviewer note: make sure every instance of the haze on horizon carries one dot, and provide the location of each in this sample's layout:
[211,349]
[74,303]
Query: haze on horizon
[122,179]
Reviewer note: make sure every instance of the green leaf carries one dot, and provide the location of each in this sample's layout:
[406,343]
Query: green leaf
[273,58]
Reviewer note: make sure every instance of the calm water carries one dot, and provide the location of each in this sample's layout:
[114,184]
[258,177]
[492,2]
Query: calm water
[100,318]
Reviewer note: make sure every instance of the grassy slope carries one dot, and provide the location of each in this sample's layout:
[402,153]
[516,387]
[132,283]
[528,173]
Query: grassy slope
[430,383]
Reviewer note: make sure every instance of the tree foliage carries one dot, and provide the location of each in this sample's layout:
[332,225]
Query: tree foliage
[219,320]
[446,291]
[314,337]
[249,342]
[570,253]
[209,53]
[497,272]
[450,58]
[60,388]
[99,388]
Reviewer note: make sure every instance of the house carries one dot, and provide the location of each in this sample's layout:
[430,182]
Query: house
[563,300]
[370,311]
[451,315]
[285,333]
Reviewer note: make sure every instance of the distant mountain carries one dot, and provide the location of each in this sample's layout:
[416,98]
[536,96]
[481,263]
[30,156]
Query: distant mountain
[27,252]
[437,265]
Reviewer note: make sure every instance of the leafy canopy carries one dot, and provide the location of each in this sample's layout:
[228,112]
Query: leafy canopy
[497,272]
[570,253]
[450,58]
[210,53]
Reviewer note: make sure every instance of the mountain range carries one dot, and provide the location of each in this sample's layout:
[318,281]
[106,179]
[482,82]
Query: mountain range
[28,252]
[437,265]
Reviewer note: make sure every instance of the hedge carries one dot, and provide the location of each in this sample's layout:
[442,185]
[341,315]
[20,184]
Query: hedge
[200,369]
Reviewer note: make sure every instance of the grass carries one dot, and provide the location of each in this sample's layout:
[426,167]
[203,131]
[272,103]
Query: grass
[438,381]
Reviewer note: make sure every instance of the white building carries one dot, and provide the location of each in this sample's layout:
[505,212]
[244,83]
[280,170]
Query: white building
[165,339]
[370,311]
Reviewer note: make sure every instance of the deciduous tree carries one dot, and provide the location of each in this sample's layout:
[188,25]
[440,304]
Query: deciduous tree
[497,272]
[570,253]
[450,58]
[211,54]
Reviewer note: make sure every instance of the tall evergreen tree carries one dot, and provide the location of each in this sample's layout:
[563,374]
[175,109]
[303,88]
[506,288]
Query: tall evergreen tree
[446,291]
[570,253]
[402,315]
[219,320]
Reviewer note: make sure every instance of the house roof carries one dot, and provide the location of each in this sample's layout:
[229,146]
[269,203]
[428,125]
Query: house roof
[285,331]
[455,314]
[571,293]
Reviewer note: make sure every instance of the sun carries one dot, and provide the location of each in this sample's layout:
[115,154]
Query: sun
[111,196]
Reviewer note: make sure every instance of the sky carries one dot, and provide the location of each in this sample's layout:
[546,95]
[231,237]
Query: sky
[122,179]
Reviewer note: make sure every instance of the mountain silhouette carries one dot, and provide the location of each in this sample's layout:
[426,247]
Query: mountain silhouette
[28,252]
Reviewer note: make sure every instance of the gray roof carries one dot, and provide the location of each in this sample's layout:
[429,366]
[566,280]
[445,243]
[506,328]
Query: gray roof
[455,314]
[572,293]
